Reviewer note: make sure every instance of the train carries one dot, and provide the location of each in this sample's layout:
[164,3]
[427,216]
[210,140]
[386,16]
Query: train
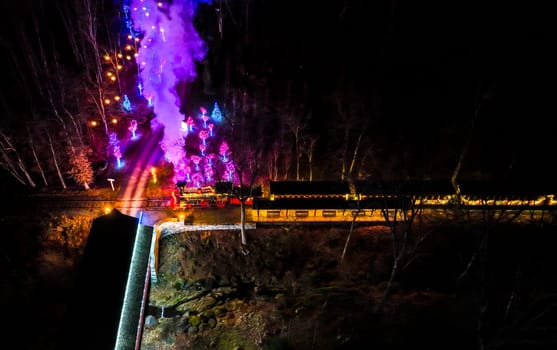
[370,201]
[369,195]
[220,195]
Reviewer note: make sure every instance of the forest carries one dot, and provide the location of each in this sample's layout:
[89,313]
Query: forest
[351,90]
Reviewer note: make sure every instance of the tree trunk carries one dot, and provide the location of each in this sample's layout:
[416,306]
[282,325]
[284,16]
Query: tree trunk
[58,171]
[242,222]
[349,235]
[16,167]
[41,170]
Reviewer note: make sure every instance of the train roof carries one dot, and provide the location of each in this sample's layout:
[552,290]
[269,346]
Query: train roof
[309,187]
[404,187]
[411,188]
[330,203]
[497,188]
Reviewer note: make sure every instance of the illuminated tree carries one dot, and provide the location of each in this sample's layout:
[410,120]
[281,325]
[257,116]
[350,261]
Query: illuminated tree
[80,166]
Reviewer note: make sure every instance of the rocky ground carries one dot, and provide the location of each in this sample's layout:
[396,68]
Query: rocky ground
[294,289]
[457,285]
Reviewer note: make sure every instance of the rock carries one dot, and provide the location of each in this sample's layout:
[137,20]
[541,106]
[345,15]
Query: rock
[151,321]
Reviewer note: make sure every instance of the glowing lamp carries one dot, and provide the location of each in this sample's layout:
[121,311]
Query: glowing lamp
[154,174]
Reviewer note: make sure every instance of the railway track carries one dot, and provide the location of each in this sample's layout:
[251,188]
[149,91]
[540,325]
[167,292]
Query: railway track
[100,204]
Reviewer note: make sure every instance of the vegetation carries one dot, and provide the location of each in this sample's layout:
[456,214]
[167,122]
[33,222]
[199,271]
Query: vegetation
[293,291]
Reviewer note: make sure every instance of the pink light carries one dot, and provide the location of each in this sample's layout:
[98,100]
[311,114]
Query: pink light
[196,159]
[211,126]
[190,123]
[223,149]
[203,135]
[133,128]
[204,116]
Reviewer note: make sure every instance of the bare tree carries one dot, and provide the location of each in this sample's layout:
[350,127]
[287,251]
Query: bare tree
[273,162]
[355,215]
[308,149]
[52,100]
[244,135]
[55,161]
[399,214]
[36,157]
[477,109]
[354,122]
[13,162]
[96,86]
[297,125]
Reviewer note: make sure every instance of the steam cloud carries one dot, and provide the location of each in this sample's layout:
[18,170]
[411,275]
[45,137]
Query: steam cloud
[169,49]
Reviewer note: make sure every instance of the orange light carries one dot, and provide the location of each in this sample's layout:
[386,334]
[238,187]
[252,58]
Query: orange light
[116,98]
[93,123]
[114,121]
[154,174]
[107,101]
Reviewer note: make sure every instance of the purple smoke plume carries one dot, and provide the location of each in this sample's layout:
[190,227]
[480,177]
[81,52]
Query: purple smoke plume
[169,49]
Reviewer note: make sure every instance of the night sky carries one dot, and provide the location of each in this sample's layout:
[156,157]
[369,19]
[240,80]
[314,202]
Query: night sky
[426,71]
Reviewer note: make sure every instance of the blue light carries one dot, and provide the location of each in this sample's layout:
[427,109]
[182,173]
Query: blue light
[216,114]
[126,104]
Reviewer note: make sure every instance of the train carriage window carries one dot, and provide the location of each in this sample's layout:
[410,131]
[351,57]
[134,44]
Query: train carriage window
[302,213]
[273,213]
[329,213]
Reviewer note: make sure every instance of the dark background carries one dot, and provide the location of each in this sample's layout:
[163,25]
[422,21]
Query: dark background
[430,76]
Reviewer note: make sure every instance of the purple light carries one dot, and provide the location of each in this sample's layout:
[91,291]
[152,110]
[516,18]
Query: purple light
[169,49]
[133,128]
